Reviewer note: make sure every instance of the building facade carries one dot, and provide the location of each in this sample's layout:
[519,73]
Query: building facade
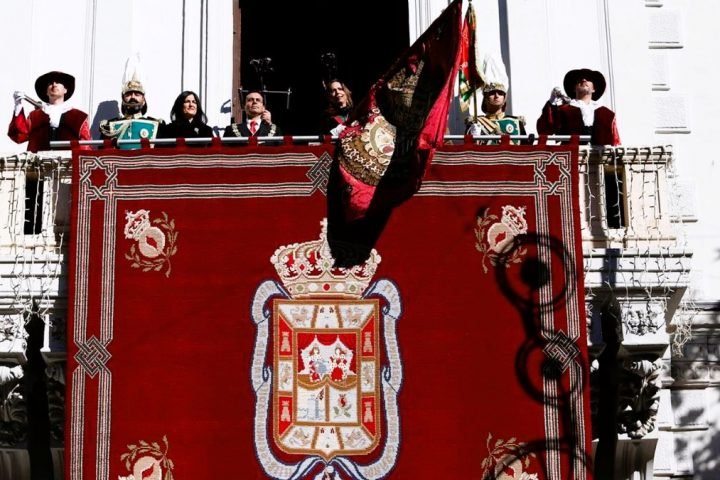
[651,241]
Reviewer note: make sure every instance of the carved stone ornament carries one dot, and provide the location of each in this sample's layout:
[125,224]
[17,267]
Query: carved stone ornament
[639,398]
[12,331]
[56,400]
[13,413]
[643,319]
[58,329]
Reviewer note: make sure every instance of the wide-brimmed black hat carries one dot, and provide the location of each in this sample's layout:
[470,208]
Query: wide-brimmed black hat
[43,81]
[572,77]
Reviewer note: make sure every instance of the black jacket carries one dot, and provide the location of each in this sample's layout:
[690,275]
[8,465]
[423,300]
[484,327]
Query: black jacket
[185,129]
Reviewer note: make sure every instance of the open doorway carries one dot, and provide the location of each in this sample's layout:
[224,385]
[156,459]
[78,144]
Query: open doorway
[366,37]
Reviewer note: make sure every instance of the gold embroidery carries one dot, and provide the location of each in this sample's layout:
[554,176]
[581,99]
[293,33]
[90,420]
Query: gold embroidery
[496,236]
[155,243]
[148,461]
[367,155]
[406,98]
[508,460]
[489,125]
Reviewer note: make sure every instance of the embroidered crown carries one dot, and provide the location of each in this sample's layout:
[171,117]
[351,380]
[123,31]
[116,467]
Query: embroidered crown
[136,223]
[514,219]
[307,269]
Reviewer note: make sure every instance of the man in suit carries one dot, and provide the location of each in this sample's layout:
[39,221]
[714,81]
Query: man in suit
[579,112]
[258,120]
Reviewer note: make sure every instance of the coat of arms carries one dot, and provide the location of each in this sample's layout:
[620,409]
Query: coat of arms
[326,367]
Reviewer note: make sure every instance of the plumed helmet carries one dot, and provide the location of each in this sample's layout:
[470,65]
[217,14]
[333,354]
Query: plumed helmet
[495,74]
[496,78]
[133,86]
[132,77]
[495,86]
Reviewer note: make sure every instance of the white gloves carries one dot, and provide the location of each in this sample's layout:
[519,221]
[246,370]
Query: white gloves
[474,129]
[337,130]
[18,97]
[557,97]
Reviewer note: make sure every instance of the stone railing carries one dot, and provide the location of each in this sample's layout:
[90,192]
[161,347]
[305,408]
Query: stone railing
[635,273]
[625,202]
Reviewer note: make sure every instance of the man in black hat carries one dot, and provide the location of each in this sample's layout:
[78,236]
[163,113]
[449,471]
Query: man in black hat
[579,112]
[53,119]
[133,124]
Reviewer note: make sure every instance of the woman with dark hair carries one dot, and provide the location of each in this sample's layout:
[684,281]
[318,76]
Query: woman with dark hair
[187,119]
[340,104]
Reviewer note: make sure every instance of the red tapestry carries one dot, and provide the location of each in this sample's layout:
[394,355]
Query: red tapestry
[213,334]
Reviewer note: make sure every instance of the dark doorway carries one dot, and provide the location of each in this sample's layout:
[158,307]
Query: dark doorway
[366,38]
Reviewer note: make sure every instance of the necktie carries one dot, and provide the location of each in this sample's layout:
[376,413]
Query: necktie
[253,127]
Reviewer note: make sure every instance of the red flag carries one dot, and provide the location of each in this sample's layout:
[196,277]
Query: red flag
[469,77]
[383,155]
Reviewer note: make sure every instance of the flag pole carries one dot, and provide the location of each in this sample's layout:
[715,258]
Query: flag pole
[475,116]
[472,35]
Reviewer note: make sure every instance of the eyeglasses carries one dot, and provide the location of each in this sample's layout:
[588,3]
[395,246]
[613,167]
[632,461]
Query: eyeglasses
[496,92]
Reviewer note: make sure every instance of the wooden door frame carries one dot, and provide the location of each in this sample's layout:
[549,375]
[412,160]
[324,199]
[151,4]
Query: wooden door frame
[236,114]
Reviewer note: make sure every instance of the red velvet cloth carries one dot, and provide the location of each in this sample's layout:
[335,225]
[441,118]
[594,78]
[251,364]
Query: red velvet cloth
[567,120]
[474,335]
[35,129]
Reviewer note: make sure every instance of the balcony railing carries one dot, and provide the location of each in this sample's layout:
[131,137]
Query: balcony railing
[626,200]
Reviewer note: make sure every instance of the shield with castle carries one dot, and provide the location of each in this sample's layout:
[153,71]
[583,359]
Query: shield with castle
[326,367]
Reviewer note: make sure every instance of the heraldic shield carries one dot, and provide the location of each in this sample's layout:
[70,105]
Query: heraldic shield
[326,367]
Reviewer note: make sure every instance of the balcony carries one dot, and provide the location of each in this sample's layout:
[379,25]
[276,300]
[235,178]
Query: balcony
[636,271]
